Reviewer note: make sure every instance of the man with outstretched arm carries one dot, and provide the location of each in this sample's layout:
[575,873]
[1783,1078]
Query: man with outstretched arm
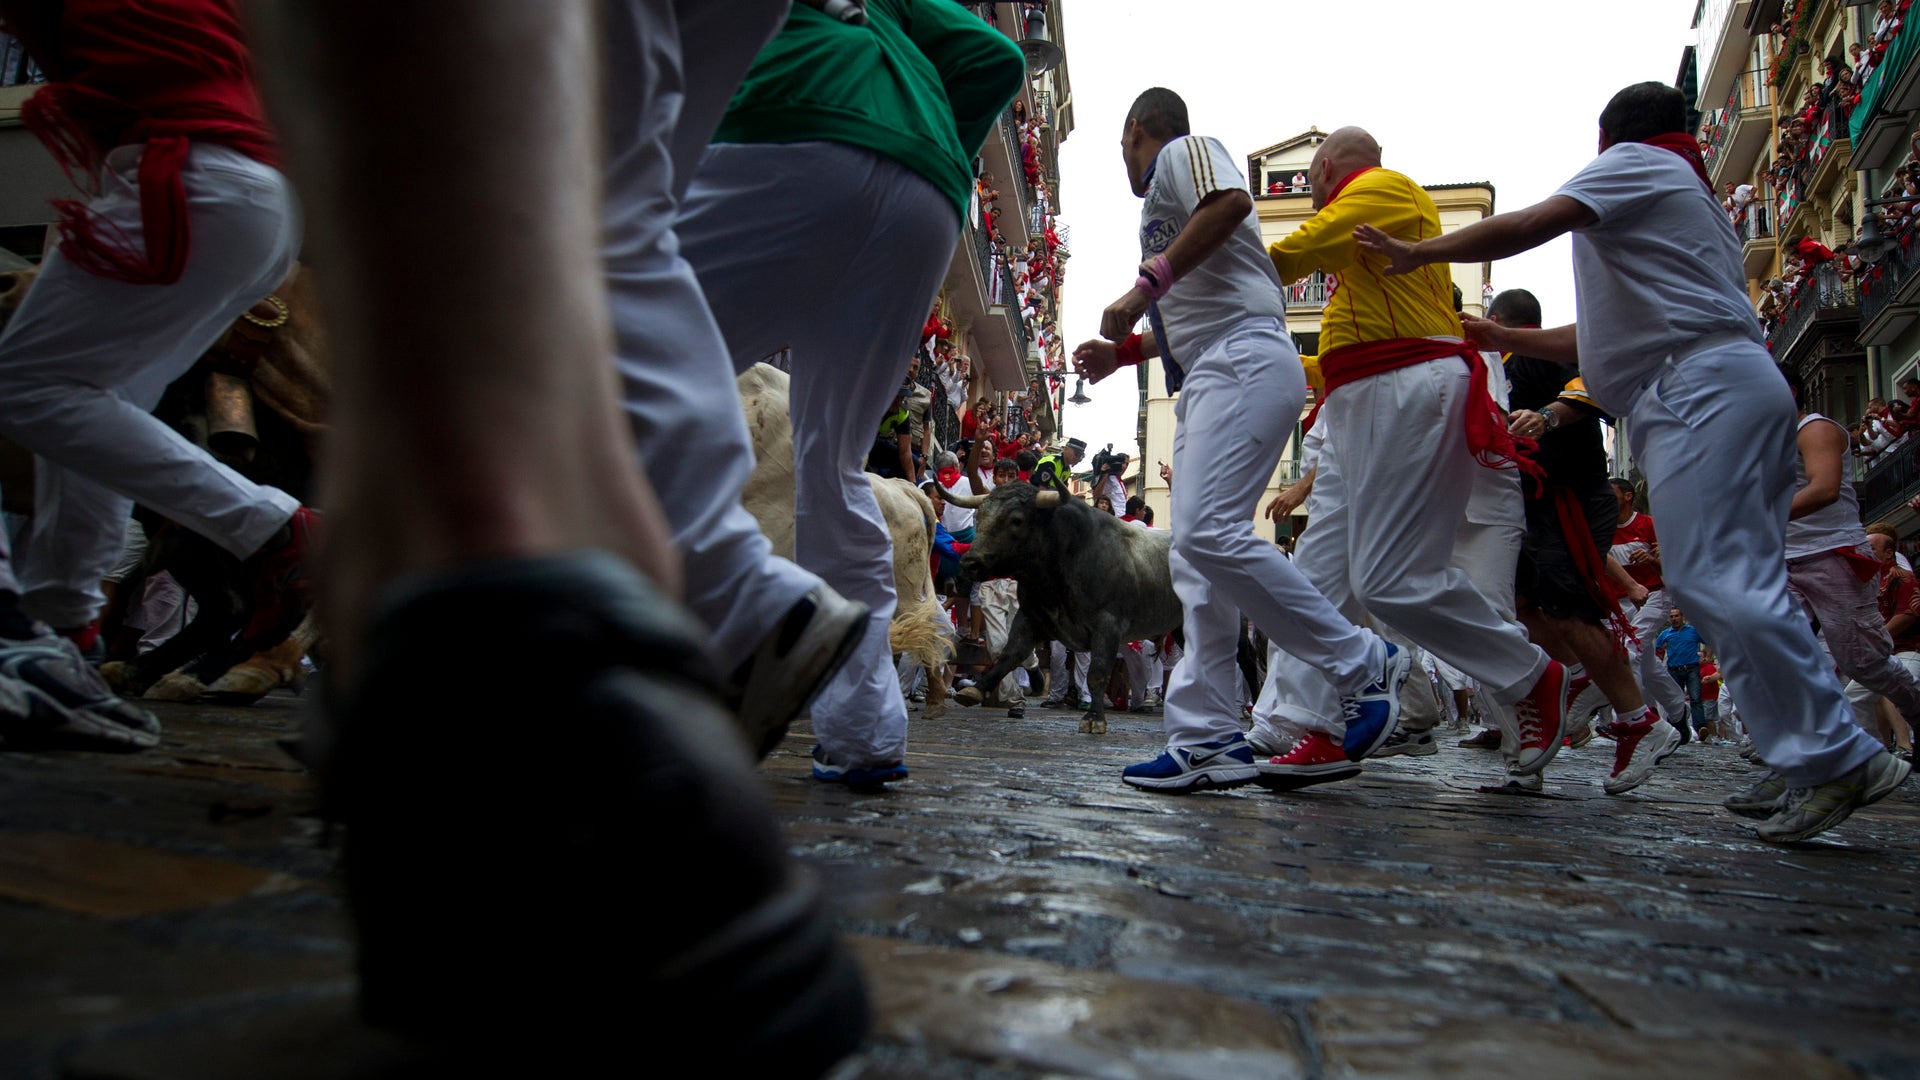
[1667,340]
[1219,327]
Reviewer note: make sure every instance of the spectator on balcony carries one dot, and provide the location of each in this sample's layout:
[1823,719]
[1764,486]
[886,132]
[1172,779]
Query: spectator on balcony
[1910,389]
[1299,182]
[1276,186]
[1862,62]
[1886,25]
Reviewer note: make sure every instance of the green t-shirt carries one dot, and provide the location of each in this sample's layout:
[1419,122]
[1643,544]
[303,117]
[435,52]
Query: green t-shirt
[922,83]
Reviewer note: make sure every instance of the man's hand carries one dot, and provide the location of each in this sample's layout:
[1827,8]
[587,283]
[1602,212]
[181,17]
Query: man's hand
[1166,472]
[1527,423]
[1485,333]
[1403,258]
[1640,558]
[1637,596]
[1289,500]
[1117,321]
[1095,359]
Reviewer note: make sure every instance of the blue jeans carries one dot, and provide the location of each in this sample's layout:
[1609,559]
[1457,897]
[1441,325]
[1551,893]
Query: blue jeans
[1688,676]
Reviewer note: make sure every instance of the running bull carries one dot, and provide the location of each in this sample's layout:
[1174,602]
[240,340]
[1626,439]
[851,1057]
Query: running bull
[1087,579]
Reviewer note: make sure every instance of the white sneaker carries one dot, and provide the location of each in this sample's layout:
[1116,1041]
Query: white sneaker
[1523,781]
[811,642]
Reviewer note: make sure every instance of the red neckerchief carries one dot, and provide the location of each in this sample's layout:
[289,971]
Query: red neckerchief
[1687,147]
[1345,180]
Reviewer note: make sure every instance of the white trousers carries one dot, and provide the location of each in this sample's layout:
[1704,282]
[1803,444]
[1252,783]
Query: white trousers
[1864,699]
[775,278]
[1715,436]
[85,359]
[681,61]
[1395,480]
[1241,400]
[998,600]
[1486,548]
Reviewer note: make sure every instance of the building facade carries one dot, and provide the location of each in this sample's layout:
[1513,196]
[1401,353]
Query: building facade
[1808,113]
[1277,175]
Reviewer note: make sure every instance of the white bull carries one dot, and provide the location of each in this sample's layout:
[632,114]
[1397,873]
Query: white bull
[919,624]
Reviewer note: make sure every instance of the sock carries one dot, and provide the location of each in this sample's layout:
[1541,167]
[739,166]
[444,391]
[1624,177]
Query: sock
[1629,719]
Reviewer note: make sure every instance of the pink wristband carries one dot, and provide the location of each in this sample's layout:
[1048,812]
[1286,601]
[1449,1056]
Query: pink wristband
[1158,279]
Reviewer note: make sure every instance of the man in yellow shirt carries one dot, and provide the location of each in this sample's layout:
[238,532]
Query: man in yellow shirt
[1406,421]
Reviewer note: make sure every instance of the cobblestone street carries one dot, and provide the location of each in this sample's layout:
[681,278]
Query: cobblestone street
[1021,913]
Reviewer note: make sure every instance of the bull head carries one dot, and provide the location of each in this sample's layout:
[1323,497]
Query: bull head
[1011,533]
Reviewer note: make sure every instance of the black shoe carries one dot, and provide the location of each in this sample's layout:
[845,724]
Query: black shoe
[1018,712]
[568,847]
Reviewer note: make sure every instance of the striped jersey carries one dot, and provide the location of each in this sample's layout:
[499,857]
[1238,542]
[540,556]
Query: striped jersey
[1237,281]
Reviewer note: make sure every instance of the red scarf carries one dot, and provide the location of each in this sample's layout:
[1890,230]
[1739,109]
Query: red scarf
[1687,147]
[1487,435]
[163,74]
[1591,565]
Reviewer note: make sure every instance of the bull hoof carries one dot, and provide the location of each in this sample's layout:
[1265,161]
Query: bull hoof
[969,696]
[933,712]
[1093,725]
[119,676]
[176,687]
[245,685]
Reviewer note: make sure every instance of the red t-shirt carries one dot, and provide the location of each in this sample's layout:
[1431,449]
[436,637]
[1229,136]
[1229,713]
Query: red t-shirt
[1639,530]
[1709,681]
[1899,595]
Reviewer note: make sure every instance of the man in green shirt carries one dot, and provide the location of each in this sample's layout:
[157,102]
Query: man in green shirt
[821,221]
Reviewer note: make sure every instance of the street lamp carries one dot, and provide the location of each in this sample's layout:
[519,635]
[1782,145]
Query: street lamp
[1869,244]
[1079,392]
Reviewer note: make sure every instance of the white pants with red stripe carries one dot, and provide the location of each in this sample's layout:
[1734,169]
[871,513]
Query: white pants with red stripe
[84,361]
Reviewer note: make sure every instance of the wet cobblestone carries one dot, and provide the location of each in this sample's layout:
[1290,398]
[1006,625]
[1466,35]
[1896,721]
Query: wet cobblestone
[1021,913]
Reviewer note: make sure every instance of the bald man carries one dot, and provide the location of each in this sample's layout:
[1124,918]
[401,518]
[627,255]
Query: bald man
[1398,460]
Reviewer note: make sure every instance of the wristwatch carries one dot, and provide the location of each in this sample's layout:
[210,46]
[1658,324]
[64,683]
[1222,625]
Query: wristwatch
[1548,418]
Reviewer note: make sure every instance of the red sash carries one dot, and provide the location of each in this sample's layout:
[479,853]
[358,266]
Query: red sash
[1487,436]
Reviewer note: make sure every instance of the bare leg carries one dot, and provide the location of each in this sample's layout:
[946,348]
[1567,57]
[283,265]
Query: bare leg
[1571,640]
[475,411]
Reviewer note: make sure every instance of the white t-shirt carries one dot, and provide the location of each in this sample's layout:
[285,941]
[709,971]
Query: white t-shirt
[958,518]
[1115,492]
[1657,272]
[1236,282]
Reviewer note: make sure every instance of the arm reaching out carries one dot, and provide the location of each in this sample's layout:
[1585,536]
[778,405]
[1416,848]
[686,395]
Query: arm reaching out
[1496,237]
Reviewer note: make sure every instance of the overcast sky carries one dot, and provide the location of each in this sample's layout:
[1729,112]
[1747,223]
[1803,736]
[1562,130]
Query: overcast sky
[1501,90]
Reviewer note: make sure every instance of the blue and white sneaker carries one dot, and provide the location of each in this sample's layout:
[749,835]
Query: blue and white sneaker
[1224,764]
[1374,713]
[858,779]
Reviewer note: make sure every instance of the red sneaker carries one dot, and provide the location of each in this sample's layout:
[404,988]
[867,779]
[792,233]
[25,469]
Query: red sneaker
[278,584]
[1315,759]
[1541,715]
[1637,748]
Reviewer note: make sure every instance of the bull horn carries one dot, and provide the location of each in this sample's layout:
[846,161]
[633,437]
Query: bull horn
[1047,500]
[965,502]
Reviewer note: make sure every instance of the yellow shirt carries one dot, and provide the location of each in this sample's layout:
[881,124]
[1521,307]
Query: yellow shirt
[1366,304]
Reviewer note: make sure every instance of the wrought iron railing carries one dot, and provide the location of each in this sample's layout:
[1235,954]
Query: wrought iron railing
[1821,290]
[1010,131]
[1891,480]
[1750,91]
[1879,282]
[1758,222]
[1014,317]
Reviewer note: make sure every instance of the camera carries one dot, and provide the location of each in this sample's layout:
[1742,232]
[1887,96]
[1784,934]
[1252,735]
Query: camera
[1106,461]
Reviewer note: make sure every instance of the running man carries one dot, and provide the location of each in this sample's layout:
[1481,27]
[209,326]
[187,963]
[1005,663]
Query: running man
[1667,341]
[1219,327]
[1408,421]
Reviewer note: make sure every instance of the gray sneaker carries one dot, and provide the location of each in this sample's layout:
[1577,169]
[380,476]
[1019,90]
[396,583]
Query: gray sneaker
[1760,800]
[1807,812]
[796,658]
[1410,743]
[1519,781]
[51,698]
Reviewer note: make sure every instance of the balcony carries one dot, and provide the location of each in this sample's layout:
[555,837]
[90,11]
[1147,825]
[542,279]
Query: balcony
[1002,156]
[1830,155]
[980,292]
[1737,130]
[1822,307]
[1756,238]
[1309,295]
[1723,45]
[1888,295]
[1880,122]
[1890,481]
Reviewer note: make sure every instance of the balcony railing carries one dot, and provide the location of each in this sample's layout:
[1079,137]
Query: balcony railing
[946,423]
[1879,284]
[1757,225]
[1892,479]
[1014,318]
[1750,91]
[1309,295]
[1821,290]
[1010,131]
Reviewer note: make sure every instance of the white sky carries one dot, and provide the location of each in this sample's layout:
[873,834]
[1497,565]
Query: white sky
[1502,90]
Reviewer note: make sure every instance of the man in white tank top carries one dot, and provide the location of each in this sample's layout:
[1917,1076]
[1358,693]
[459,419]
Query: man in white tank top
[1831,570]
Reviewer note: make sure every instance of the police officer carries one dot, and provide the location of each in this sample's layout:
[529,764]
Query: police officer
[1053,469]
